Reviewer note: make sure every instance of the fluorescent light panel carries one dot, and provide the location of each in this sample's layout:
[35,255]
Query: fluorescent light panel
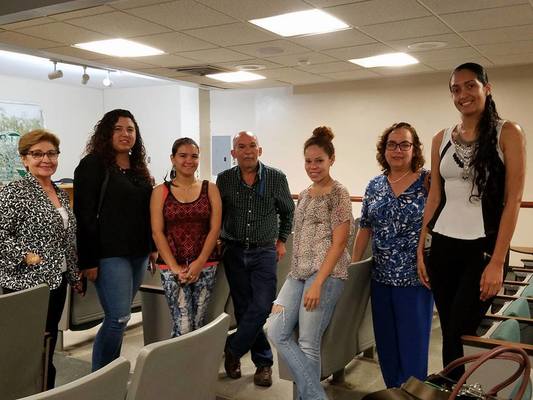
[119,48]
[301,23]
[385,60]
[239,76]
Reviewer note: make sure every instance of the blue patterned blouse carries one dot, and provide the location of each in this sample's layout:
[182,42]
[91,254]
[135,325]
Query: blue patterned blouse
[395,223]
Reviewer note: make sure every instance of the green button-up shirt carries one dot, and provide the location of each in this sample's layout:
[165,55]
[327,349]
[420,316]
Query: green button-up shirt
[259,213]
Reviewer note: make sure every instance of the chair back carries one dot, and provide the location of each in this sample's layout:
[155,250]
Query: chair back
[518,308]
[22,328]
[508,330]
[109,383]
[185,367]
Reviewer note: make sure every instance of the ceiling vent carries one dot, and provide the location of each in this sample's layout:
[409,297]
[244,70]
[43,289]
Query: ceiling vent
[200,70]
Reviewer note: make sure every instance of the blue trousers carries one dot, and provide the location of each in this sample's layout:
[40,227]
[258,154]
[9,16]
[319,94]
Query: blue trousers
[402,325]
[118,280]
[303,358]
[252,281]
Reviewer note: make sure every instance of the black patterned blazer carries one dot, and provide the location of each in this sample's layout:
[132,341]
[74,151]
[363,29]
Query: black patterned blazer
[29,222]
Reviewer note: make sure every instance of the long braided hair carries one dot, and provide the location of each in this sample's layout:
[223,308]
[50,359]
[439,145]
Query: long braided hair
[486,162]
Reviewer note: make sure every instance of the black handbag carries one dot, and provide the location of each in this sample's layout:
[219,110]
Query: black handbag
[440,387]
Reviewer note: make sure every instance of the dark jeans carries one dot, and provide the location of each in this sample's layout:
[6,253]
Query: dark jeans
[455,267]
[55,309]
[251,276]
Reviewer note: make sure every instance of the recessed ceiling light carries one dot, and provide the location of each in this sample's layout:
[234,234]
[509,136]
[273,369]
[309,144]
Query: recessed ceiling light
[119,48]
[307,22]
[385,60]
[426,45]
[239,76]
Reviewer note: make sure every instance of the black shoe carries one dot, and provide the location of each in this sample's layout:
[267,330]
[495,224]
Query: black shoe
[232,365]
[263,376]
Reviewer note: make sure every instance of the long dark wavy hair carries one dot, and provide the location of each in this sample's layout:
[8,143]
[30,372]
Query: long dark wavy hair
[101,143]
[486,162]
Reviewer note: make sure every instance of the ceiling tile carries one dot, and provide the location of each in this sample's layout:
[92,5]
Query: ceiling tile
[265,49]
[339,66]
[452,6]
[125,63]
[126,4]
[514,59]
[214,55]
[173,42]
[169,73]
[413,28]
[166,60]
[25,41]
[232,34]
[491,18]
[62,33]
[407,70]
[451,39]
[378,11]
[450,64]
[82,13]
[503,49]
[293,76]
[251,9]
[77,53]
[310,58]
[465,53]
[331,3]
[499,35]
[183,14]
[251,61]
[118,24]
[352,75]
[332,40]
[27,23]
[366,50]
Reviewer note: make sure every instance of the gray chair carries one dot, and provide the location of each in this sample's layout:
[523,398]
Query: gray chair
[350,330]
[109,383]
[185,367]
[22,329]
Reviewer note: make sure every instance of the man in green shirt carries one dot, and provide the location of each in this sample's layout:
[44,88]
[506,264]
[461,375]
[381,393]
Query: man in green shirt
[256,221]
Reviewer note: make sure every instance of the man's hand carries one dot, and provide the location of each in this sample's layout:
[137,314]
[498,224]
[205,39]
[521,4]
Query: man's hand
[280,249]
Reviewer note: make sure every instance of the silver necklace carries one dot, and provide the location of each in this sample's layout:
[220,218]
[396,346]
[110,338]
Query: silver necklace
[464,155]
[399,179]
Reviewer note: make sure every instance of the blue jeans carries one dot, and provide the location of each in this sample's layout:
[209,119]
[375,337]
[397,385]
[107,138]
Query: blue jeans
[118,280]
[252,281]
[402,326]
[188,303]
[303,358]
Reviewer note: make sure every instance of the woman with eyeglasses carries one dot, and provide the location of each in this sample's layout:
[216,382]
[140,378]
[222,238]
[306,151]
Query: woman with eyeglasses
[391,216]
[478,170]
[112,188]
[37,232]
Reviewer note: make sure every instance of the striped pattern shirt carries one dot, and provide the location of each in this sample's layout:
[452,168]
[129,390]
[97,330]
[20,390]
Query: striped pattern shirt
[259,213]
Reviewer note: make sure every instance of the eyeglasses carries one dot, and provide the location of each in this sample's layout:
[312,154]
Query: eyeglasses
[404,146]
[39,155]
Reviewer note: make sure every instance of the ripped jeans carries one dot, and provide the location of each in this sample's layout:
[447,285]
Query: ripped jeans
[303,357]
[118,280]
[188,303]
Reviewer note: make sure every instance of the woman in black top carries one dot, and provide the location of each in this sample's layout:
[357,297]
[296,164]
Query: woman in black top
[111,201]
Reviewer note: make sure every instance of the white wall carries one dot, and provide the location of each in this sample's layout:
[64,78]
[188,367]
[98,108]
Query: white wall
[69,112]
[164,113]
[358,112]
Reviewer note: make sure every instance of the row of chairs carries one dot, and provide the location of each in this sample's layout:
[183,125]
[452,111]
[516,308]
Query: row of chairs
[162,371]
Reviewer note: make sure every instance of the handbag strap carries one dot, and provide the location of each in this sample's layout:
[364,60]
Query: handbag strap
[500,352]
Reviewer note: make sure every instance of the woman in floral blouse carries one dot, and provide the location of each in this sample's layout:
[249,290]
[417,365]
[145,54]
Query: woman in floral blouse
[322,223]
[391,215]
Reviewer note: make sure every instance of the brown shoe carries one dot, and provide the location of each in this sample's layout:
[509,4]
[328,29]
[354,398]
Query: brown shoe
[232,365]
[263,376]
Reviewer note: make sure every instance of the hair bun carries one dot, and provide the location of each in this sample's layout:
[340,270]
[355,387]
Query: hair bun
[324,132]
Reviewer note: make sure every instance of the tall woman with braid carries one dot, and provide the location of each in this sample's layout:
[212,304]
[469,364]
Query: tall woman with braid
[477,179]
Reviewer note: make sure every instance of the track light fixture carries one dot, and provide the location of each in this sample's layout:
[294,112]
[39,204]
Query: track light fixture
[107,80]
[85,77]
[56,74]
